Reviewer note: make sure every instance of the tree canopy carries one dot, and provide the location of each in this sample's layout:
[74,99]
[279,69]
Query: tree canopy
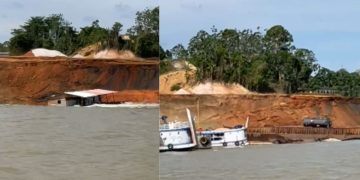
[54,32]
[4,47]
[145,33]
[262,62]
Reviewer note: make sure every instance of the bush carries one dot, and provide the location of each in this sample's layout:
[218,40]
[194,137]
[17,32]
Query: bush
[165,66]
[175,87]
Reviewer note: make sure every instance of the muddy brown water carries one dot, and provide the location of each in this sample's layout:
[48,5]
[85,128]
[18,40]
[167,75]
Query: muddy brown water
[325,160]
[78,143]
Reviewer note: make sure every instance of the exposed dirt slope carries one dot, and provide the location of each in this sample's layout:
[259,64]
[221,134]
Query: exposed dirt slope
[186,81]
[111,54]
[95,51]
[89,51]
[172,78]
[139,96]
[31,80]
[213,88]
[263,110]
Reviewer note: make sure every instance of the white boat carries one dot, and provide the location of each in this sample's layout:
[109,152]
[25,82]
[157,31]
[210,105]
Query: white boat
[175,136]
[234,137]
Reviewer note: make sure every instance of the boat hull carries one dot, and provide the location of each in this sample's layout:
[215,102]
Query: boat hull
[230,144]
[226,138]
[179,147]
[178,136]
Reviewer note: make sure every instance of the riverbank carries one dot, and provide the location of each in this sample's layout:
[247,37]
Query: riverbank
[263,110]
[34,80]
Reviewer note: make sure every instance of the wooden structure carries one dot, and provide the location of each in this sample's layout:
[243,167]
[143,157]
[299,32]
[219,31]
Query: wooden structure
[304,130]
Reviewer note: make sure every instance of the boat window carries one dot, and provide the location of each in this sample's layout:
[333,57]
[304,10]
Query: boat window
[216,138]
[219,134]
[178,132]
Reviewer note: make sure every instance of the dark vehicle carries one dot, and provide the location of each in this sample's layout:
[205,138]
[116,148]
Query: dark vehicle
[317,122]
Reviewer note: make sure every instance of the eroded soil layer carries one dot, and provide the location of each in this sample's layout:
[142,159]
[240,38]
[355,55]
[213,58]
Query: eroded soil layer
[270,110]
[33,80]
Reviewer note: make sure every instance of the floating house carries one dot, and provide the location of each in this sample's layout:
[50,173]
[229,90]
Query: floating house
[86,97]
[80,98]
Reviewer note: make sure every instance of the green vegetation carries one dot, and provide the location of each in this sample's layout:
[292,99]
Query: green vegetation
[175,87]
[4,47]
[145,32]
[262,62]
[341,81]
[91,34]
[165,64]
[54,32]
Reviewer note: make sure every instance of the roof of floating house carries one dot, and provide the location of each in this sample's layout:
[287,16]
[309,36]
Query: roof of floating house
[89,93]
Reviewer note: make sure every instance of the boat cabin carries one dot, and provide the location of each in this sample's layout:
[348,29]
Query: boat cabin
[232,137]
[86,97]
[177,135]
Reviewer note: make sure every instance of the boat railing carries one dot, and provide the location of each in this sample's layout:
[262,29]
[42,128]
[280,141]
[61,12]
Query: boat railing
[174,125]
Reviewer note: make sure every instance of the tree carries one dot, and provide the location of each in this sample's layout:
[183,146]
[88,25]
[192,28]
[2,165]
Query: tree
[284,67]
[113,40]
[4,47]
[278,38]
[145,33]
[163,54]
[54,32]
[51,32]
[257,76]
[145,45]
[146,21]
[92,34]
[20,43]
[263,63]
[165,64]
[308,66]
[179,52]
[116,28]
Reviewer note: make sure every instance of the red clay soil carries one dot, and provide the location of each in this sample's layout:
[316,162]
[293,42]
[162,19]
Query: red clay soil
[263,110]
[137,96]
[33,80]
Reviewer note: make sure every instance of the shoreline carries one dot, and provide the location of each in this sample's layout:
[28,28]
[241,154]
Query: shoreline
[38,80]
[125,105]
[297,142]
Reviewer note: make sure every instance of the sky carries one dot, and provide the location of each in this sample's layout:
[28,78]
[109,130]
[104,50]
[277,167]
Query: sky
[80,13]
[330,28]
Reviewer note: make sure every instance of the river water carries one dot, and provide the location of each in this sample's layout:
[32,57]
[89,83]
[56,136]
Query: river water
[78,143]
[326,160]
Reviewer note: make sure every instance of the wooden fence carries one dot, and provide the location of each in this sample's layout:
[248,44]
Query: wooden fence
[304,130]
